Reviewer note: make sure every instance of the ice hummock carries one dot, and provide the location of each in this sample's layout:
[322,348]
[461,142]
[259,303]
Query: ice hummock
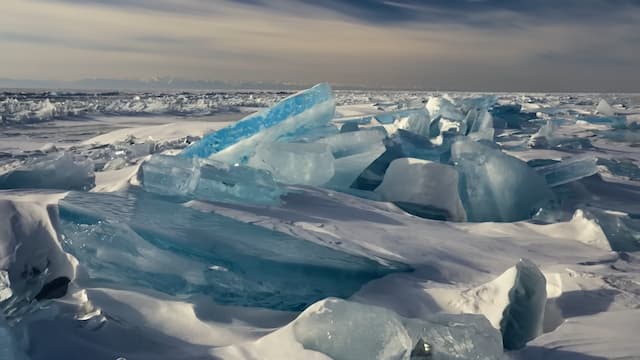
[54,171]
[310,108]
[209,180]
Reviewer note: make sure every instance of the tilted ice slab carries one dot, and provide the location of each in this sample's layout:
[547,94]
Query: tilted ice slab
[514,303]
[208,180]
[423,188]
[345,330]
[236,143]
[569,170]
[296,163]
[495,186]
[53,171]
[180,251]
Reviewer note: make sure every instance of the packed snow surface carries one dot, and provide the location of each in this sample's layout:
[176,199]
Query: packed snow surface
[319,225]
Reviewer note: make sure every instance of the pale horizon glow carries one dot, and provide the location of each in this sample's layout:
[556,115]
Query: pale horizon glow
[432,46]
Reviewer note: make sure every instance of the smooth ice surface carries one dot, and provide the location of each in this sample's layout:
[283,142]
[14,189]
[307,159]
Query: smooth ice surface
[495,186]
[423,188]
[208,180]
[453,337]
[296,114]
[350,331]
[568,170]
[53,171]
[296,163]
[347,169]
[354,142]
[139,239]
[482,126]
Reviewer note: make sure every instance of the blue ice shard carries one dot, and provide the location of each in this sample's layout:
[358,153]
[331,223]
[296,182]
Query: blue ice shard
[139,239]
[495,186]
[568,170]
[209,180]
[310,108]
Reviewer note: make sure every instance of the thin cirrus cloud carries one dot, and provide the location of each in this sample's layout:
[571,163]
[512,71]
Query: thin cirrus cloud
[585,45]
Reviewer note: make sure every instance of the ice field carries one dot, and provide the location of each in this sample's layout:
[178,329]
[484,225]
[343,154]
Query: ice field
[319,225]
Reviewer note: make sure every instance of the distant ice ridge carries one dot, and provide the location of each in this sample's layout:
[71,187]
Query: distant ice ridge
[18,108]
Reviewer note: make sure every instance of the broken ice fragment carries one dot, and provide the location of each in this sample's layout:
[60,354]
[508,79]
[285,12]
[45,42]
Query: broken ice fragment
[454,336]
[296,163]
[417,121]
[347,169]
[568,170]
[482,126]
[209,180]
[350,331]
[441,107]
[234,144]
[53,171]
[354,142]
[604,108]
[495,186]
[423,188]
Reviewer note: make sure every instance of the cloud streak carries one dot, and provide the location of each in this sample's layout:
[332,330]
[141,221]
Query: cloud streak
[454,44]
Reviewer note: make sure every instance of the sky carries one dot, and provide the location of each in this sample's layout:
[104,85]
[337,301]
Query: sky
[477,45]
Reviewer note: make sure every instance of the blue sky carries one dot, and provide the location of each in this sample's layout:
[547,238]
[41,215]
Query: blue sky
[544,45]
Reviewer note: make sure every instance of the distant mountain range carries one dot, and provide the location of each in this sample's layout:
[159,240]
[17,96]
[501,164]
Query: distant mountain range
[163,83]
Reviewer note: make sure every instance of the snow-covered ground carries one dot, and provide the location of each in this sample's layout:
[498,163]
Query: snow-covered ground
[108,270]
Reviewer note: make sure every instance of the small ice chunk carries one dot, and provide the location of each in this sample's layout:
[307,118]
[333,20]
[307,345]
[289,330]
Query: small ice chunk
[459,336]
[349,127]
[566,171]
[48,148]
[423,188]
[482,127]
[310,108]
[622,231]
[417,121]
[495,186]
[209,180]
[350,331]
[604,108]
[296,163]
[115,164]
[53,171]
